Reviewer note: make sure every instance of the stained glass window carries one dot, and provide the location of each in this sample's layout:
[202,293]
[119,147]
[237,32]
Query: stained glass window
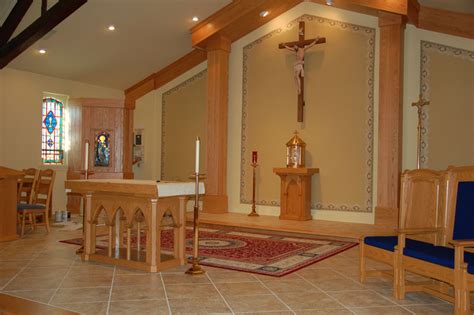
[102,149]
[52,137]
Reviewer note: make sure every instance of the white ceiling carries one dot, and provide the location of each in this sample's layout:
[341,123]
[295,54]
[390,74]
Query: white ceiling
[150,35]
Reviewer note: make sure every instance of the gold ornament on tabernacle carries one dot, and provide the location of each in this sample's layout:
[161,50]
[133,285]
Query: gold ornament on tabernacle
[295,152]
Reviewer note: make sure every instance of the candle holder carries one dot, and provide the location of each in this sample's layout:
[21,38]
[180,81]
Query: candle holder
[253,213]
[196,269]
[86,174]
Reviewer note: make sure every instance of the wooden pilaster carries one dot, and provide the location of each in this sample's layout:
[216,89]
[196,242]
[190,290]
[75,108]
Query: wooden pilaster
[218,49]
[392,27]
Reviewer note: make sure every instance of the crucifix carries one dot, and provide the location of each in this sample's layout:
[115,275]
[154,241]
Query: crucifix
[419,105]
[299,47]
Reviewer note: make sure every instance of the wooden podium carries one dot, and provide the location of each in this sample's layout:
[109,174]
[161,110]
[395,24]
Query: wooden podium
[295,195]
[8,192]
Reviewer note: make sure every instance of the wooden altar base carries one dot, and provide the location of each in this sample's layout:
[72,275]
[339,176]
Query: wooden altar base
[134,206]
[137,260]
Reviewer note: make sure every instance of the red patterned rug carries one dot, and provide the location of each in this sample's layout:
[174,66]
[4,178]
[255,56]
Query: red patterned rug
[263,252]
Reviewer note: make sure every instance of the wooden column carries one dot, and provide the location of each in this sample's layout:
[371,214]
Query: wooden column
[218,49]
[392,27]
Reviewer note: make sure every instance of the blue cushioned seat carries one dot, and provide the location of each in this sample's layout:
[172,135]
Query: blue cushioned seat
[470,269]
[463,223]
[26,206]
[439,255]
[389,242]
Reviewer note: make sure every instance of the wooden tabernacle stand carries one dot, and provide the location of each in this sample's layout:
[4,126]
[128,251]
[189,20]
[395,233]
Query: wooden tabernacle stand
[295,195]
[8,191]
[135,206]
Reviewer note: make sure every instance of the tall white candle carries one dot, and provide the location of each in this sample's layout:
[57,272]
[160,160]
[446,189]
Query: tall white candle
[198,143]
[86,157]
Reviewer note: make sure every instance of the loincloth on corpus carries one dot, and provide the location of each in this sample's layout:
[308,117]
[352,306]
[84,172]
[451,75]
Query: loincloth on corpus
[298,65]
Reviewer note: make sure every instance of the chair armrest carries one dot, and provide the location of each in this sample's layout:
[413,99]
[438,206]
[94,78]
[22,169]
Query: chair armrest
[462,243]
[418,230]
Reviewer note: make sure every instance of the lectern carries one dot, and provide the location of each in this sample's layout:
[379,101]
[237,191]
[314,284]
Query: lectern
[8,192]
[295,195]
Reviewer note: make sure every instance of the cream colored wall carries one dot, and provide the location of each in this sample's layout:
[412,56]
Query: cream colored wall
[148,116]
[413,38]
[337,126]
[183,119]
[448,81]
[235,106]
[20,109]
[145,117]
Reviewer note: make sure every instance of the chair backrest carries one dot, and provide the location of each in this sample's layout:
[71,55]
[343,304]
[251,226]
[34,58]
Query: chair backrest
[459,202]
[44,187]
[420,202]
[27,186]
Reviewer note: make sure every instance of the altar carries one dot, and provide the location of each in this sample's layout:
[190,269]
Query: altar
[132,212]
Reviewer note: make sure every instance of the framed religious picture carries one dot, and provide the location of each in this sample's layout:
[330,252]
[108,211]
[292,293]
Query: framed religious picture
[103,149]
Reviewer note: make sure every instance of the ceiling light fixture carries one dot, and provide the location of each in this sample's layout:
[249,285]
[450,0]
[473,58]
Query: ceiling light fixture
[42,51]
[264,13]
[195,18]
[111,28]
[329,2]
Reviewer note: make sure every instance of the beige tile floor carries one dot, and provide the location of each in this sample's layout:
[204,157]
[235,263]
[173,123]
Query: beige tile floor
[41,269]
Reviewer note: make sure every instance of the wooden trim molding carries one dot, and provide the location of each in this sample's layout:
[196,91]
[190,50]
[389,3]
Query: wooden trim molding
[165,75]
[448,22]
[238,19]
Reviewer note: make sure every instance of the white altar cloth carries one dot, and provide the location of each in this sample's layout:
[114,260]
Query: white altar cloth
[165,188]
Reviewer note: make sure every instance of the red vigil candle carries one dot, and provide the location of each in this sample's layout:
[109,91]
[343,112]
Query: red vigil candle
[254,157]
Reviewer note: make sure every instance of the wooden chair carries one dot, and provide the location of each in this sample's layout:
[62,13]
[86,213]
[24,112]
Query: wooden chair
[26,189]
[41,201]
[27,183]
[419,210]
[453,266]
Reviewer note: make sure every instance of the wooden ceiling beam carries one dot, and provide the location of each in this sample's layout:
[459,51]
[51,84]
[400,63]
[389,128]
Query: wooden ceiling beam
[413,11]
[370,7]
[13,20]
[448,22]
[238,19]
[45,23]
[165,75]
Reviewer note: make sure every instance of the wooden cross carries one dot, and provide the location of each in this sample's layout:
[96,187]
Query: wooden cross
[419,105]
[299,48]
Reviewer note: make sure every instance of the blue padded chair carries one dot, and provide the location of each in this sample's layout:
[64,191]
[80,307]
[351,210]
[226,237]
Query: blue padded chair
[450,264]
[419,211]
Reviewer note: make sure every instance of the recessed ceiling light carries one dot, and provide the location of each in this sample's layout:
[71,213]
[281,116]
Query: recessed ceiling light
[264,13]
[111,28]
[42,51]
[195,18]
[329,2]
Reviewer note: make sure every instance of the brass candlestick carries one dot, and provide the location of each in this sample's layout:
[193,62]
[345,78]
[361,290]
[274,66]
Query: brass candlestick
[86,174]
[419,105]
[196,268]
[253,213]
